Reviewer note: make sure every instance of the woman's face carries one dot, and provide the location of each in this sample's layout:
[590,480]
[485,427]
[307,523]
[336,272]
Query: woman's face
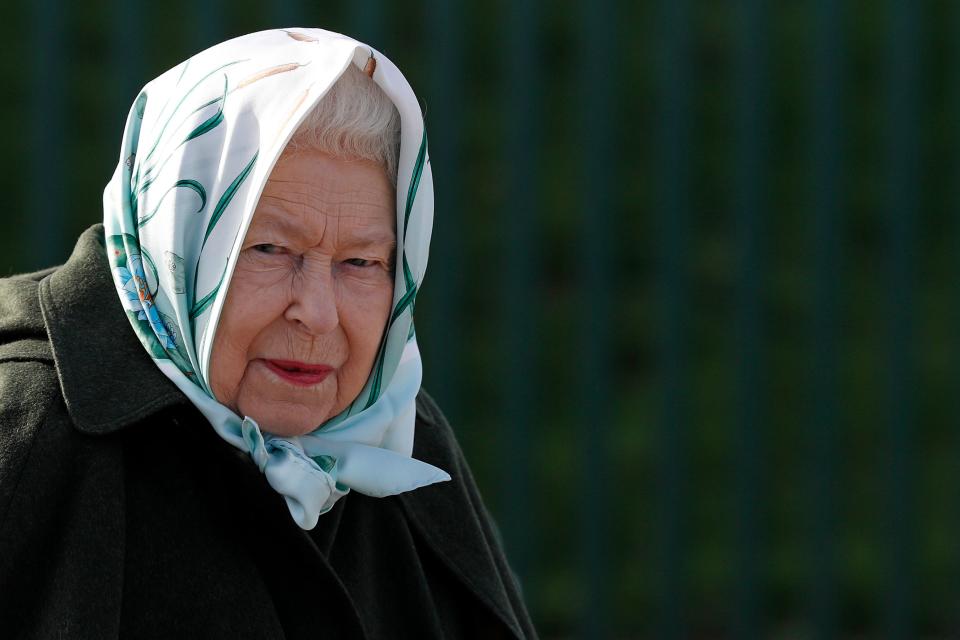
[310,296]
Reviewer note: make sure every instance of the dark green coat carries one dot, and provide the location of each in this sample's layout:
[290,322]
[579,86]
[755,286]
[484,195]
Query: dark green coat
[122,513]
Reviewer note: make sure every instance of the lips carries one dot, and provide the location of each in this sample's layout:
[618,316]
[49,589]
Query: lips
[299,373]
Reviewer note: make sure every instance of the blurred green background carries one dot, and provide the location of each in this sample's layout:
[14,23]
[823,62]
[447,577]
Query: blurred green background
[692,299]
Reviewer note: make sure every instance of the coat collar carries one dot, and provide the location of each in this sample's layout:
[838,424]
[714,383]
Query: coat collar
[108,379]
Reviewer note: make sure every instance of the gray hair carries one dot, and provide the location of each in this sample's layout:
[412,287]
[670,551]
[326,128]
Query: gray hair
[354,120]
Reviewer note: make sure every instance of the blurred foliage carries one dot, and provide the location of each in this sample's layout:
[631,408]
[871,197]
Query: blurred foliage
[94,106]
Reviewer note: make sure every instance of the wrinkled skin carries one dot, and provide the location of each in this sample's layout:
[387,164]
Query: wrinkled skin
[314,284]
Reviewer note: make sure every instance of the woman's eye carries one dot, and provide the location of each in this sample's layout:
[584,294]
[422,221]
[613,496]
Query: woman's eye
[270,249]
[359,262]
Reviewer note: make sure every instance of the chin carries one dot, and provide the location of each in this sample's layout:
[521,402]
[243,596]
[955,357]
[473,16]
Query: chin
[287,423]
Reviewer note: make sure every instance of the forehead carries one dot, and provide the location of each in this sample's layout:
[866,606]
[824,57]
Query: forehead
[308,191]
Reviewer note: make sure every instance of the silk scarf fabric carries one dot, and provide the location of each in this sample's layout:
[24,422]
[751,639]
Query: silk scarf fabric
[199,144]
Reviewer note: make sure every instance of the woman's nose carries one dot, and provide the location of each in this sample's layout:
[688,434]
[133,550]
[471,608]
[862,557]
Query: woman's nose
[313,303]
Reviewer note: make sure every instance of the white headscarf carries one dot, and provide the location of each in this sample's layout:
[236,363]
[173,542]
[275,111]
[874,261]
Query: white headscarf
[199,144]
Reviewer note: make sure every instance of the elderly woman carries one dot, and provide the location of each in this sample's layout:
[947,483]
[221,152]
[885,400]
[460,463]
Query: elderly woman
[211,422]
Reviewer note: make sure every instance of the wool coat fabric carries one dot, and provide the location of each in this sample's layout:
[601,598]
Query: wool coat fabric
[106,533]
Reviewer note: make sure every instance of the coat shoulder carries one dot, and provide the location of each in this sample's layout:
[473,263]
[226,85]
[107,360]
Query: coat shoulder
[29,386]
[23,333]
[436,441]
[31,402]
[434,436]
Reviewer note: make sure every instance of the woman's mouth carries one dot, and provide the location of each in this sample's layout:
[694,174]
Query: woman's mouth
[299,373]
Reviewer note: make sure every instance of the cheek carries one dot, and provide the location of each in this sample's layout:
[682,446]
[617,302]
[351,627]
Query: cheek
[246,312]
[364,317]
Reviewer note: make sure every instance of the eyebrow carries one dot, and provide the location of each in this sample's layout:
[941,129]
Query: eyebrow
[289,229]
[373,240]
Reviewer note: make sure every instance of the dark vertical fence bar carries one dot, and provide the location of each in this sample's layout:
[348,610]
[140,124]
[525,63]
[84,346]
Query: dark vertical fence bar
[750,207]
[674,83]
[126,58]
[286,13]
[827,163]
[445,282]
[902,156]
[367,24]
[951,619]
[597,168]
[47,213]
[209,28]
[518,312]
